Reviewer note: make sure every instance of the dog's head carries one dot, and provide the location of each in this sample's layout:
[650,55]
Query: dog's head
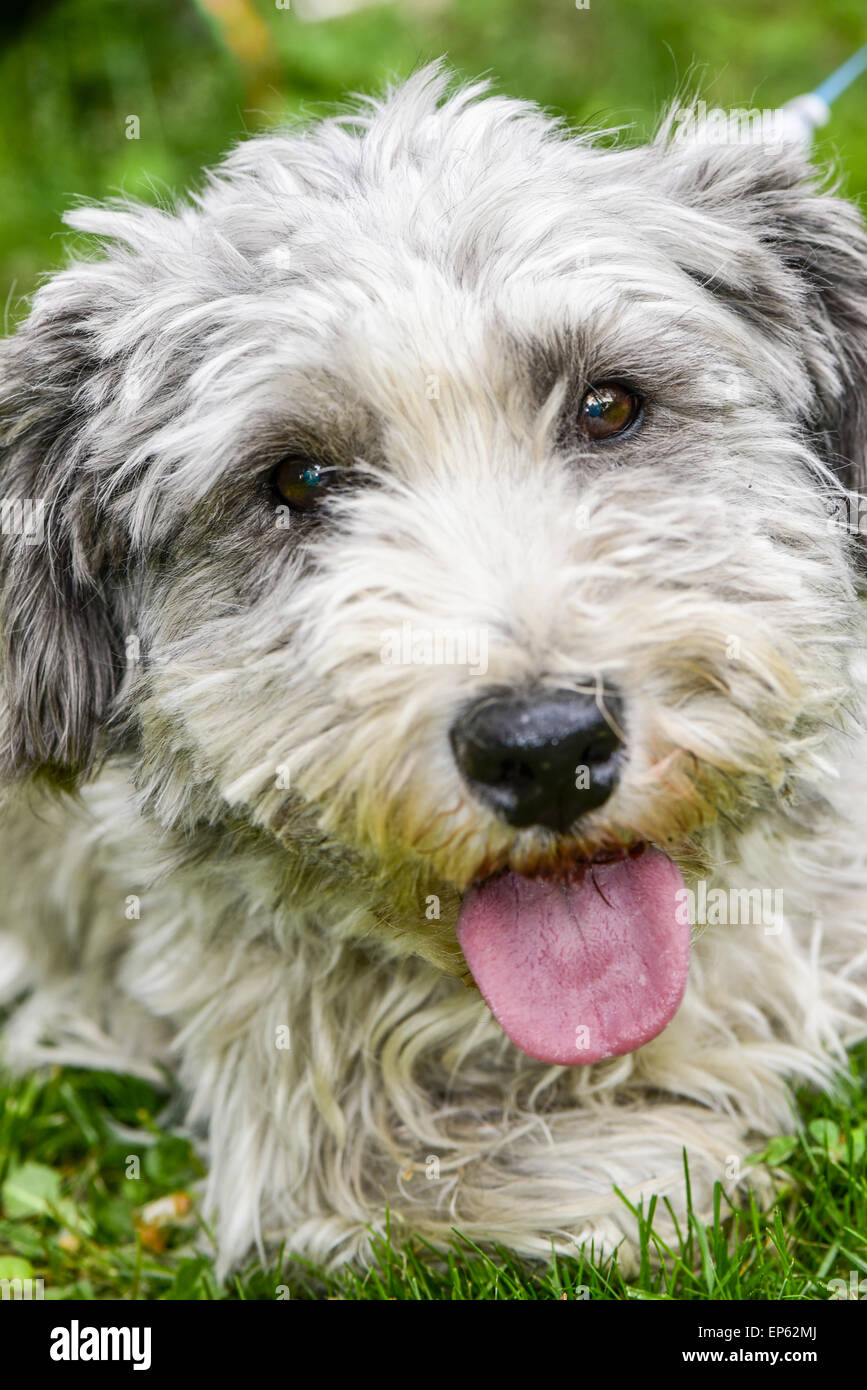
[450,500]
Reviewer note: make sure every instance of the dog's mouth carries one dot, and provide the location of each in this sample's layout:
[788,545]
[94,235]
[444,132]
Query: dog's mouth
[584,966]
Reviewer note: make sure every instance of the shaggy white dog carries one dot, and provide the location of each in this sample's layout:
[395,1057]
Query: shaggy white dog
[425,557]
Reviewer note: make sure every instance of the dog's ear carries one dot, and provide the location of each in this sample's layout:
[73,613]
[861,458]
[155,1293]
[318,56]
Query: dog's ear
[786,251]
[58,639]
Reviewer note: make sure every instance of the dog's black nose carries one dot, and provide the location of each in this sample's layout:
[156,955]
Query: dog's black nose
[542,757]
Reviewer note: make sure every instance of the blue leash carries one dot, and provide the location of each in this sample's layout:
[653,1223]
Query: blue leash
[845,75]
[803,115]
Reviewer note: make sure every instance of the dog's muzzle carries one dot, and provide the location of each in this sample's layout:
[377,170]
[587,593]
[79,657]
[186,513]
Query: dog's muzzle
[539,757]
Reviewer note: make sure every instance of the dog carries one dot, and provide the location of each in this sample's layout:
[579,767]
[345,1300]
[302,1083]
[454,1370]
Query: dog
[431,624]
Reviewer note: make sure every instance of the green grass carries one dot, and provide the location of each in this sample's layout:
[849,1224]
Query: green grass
[74,1216]
[72,76]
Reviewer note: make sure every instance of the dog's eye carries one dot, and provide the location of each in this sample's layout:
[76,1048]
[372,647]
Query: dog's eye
[608,409]
[301,481]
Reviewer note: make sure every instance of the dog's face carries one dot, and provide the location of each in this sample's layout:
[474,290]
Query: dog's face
[448,500]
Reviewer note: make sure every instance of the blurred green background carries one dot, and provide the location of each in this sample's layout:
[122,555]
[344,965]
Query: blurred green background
[199,73]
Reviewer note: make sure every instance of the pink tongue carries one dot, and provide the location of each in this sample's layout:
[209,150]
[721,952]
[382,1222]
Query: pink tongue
[575,971]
